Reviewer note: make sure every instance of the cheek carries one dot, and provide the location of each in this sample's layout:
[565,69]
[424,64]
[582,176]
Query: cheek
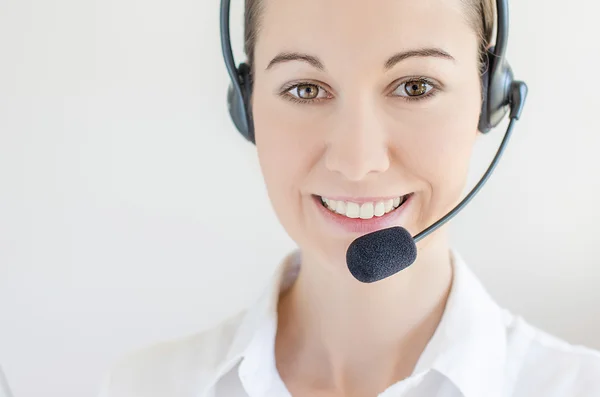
[279,145]
[285,157]
[439,154]
[289,140]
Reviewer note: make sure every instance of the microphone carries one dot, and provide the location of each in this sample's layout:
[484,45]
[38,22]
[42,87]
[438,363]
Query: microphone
[383,253]
[380,254]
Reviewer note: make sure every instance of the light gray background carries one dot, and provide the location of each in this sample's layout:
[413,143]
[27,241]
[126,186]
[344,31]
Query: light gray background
[130,210]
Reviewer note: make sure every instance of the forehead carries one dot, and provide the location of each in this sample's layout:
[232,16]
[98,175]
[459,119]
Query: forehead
[352,30]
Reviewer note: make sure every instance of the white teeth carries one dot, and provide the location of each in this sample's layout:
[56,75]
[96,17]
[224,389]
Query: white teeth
[379,209]
[332,204]
[363,211]
[389,204]
[366,211]
[352,210]
[341,208]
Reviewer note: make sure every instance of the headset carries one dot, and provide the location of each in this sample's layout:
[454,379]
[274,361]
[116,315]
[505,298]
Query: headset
[501,94]
[497,81]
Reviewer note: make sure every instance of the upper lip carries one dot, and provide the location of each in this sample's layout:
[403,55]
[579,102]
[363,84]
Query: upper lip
[360,200]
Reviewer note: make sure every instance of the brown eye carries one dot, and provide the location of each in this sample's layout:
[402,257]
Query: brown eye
[307,91]
[415,87]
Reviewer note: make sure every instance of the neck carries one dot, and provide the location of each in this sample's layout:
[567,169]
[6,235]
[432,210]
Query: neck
[338,329]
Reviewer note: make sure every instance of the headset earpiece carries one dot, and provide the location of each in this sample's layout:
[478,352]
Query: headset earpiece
[497,81]
[239,104]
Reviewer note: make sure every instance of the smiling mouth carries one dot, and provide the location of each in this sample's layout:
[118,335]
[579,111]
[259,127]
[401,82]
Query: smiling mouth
[366,210]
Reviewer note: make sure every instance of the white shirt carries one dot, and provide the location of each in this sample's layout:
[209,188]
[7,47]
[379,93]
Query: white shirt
[477,350]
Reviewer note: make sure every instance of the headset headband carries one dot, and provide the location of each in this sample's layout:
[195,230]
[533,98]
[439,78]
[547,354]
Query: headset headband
[497,79]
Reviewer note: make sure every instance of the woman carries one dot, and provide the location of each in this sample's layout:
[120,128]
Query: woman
[351,138]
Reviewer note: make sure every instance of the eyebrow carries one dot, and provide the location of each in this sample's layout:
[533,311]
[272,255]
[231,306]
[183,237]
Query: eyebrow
[296,56]
[418,53]
[390,63]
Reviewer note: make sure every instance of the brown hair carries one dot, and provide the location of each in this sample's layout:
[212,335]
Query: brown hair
[481,15]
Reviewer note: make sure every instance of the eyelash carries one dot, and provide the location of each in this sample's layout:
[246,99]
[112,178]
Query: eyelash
[434,90]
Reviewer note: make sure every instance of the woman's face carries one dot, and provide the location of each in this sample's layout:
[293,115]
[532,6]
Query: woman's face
[360,103]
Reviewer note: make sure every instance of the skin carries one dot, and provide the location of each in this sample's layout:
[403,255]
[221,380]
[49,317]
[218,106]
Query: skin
[361,138]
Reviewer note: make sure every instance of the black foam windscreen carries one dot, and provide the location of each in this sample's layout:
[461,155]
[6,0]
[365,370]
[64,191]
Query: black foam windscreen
[381,254]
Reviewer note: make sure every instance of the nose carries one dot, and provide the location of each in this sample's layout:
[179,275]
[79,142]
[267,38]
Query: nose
[358,143]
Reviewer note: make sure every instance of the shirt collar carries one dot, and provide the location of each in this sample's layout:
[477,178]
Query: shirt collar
[468,346]
[265,309]
[261,316]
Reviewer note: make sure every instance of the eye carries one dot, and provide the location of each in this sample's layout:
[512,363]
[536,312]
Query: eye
[414,88]
[307,92]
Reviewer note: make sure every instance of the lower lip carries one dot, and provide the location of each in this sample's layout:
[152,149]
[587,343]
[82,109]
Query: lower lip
[362,226]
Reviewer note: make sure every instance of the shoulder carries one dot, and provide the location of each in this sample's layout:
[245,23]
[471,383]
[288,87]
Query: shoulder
[541,364]
[177,368]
